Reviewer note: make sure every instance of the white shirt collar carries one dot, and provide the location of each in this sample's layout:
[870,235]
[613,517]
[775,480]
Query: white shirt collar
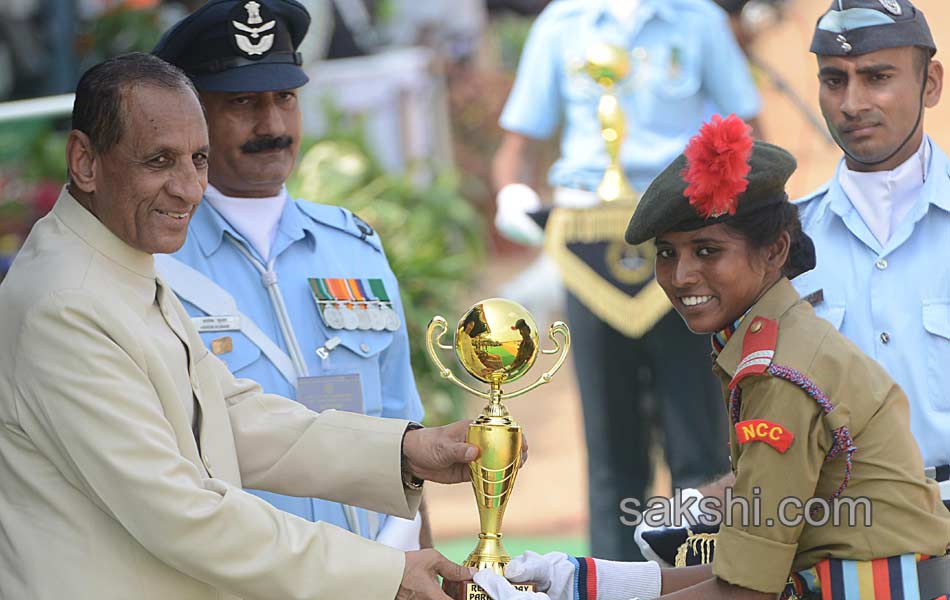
[883,198]
[257,219]
[623,10]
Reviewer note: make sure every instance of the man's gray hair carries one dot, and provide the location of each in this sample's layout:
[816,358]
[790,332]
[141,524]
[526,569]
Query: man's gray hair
[97,110]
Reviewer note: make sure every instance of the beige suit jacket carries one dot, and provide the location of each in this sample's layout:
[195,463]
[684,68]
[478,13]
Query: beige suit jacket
[105,493]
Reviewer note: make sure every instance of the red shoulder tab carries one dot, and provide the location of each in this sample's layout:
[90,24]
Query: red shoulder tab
[758,348]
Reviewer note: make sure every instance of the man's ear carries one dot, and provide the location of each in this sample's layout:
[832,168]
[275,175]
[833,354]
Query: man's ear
[81,161]
[934,84]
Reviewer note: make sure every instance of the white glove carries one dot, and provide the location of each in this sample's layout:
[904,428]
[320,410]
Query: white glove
[644,526]
[944,490]
[514,202]
[498,588]
[553,572]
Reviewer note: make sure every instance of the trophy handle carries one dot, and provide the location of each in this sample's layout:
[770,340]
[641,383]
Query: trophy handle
[559,327]
[440,326]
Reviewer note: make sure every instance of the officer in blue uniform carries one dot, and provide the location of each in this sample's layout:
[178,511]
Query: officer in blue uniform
[296,295]
[685,64]
[878,225]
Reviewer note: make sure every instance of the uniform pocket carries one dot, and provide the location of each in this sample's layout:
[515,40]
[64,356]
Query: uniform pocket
[360,353]
[936,318]
[678,75]
[668,101]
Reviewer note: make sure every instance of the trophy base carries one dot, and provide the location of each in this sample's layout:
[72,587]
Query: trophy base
[469,590]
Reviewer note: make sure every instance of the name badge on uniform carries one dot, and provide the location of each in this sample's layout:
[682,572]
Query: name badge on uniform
[354,304]
[217,323]
[331,392]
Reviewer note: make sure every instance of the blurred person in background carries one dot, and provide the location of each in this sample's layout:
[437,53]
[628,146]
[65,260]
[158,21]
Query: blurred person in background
[296,295]
[37,57]
[684,61]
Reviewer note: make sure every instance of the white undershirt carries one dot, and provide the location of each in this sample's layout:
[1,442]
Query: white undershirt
[883,198]
[254,218]
[624,10]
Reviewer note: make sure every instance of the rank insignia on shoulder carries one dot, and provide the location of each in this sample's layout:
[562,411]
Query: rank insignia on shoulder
[760,430]
[365,229]
[815,298]
[758,349]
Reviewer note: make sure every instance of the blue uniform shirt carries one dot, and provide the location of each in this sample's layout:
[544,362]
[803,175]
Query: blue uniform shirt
[684,62]
[892,301]
[312,241]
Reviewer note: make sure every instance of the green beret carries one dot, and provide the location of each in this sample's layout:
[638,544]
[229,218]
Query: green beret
[665,206]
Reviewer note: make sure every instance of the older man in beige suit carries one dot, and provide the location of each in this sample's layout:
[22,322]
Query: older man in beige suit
[124,443]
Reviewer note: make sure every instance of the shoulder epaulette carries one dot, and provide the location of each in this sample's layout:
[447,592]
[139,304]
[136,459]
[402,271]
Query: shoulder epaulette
[342,219]
[562,8]
[820,192]
[758,349]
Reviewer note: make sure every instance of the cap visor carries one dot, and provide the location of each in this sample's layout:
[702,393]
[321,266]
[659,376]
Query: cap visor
[263,77]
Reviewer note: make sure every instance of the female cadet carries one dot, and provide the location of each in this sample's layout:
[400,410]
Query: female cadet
[812,417]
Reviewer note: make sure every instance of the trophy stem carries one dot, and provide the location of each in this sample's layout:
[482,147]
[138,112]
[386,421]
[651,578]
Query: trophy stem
[493,479]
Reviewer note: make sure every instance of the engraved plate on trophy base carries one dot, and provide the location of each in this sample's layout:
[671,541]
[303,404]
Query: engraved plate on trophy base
[469,590]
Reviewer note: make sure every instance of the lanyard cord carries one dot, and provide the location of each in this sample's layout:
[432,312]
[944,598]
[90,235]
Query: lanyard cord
[269,280]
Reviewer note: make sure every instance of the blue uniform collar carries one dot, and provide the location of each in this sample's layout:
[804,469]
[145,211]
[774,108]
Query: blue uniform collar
[646,11]
[209,228]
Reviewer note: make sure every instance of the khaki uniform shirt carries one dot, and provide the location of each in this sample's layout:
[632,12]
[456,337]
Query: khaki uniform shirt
[906,512]
[124,445]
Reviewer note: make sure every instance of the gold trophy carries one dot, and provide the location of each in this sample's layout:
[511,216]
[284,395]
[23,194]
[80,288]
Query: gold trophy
[607,65]
[496,341]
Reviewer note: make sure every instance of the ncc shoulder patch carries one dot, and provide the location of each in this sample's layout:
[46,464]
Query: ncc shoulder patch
[758,349]
[760,430]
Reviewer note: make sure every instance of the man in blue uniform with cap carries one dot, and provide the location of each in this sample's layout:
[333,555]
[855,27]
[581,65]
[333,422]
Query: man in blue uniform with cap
[684,62]
[295,295]
[879,223]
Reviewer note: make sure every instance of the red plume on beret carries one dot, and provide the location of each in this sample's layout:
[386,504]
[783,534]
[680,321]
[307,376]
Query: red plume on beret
[717,165]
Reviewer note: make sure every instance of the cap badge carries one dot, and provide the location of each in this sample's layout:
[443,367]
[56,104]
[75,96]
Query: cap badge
[253,13]
[844,43]
[892,6]
[254,43]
